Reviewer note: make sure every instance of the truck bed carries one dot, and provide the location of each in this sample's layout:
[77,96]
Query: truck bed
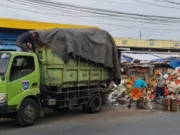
[77,72]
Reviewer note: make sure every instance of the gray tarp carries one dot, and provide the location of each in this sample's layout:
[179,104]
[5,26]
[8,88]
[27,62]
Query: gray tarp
[91,44]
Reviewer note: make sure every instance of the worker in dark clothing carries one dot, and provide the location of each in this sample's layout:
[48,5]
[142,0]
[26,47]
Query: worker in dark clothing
[27,41]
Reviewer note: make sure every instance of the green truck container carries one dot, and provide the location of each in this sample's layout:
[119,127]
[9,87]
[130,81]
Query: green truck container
[30,82]
[76,73]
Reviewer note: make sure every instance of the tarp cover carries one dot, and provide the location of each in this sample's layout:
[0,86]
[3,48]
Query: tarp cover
[95,45]
[175,63]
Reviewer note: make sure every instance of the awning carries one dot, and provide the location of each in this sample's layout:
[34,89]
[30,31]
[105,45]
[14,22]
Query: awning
[166,55]
[141,57]
[150,57]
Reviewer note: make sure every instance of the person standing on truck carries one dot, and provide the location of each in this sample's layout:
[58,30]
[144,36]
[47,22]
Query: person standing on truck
[27,41]
[138,85]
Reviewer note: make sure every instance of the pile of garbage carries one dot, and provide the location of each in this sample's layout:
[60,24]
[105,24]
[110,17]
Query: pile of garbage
[172,83]
[117,94]
[120,94]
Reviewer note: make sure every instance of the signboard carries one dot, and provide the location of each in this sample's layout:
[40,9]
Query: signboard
[128,42]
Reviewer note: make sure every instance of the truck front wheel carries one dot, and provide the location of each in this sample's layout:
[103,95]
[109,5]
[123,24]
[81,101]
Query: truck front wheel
[27,113]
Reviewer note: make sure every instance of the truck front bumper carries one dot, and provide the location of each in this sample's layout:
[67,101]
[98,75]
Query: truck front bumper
[4,108]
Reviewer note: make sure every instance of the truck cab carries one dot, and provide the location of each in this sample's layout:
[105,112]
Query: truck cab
[19,82]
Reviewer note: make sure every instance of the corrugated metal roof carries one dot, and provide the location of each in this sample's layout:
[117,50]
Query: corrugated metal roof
[147,57]
[166,55]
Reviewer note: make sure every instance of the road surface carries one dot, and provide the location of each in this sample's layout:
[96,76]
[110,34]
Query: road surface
[109,122]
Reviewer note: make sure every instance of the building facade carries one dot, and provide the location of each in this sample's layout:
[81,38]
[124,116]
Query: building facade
[10,29]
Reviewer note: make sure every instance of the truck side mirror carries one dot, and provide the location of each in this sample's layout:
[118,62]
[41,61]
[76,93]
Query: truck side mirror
[3,78]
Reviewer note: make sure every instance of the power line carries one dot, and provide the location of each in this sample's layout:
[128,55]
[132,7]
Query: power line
[147,28]
[98,16]
[51,13]
[163,17]
[172,2]
[142,23]
[120,12]
[3,5]
[164,33]
[111,15]
[134,26]
[122,25]
[145,3]
[155,4]
[104,23]
[126,3]
[61,9]
[103,16]
[45,13]
[110,12]
[145,19]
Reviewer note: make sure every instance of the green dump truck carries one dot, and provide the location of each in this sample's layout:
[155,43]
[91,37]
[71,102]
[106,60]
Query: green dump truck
[32,81]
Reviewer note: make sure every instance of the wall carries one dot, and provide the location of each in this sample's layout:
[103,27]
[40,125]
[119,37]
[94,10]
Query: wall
[9,36]
[128,42]
[10,29]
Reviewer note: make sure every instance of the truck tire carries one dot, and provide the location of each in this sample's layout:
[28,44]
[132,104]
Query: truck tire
[95,104]
[27,113]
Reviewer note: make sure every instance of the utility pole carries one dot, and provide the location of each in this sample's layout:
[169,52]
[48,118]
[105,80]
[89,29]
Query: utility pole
[140,34]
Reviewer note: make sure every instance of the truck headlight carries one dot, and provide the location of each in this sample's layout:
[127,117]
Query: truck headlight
[3,98]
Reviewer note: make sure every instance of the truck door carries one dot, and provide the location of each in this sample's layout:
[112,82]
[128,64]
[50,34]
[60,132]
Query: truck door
[24,77]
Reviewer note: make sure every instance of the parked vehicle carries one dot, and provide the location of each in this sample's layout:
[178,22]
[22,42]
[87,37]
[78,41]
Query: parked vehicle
[30,82]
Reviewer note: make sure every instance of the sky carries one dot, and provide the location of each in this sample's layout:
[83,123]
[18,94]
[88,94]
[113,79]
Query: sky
[118,27]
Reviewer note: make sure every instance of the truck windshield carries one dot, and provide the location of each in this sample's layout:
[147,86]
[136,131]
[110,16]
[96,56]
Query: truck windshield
[4,60]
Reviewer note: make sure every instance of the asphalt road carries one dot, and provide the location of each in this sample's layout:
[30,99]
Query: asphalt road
[108,122]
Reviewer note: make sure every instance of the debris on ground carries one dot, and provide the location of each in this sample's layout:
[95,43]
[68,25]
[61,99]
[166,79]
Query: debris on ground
[119,95]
